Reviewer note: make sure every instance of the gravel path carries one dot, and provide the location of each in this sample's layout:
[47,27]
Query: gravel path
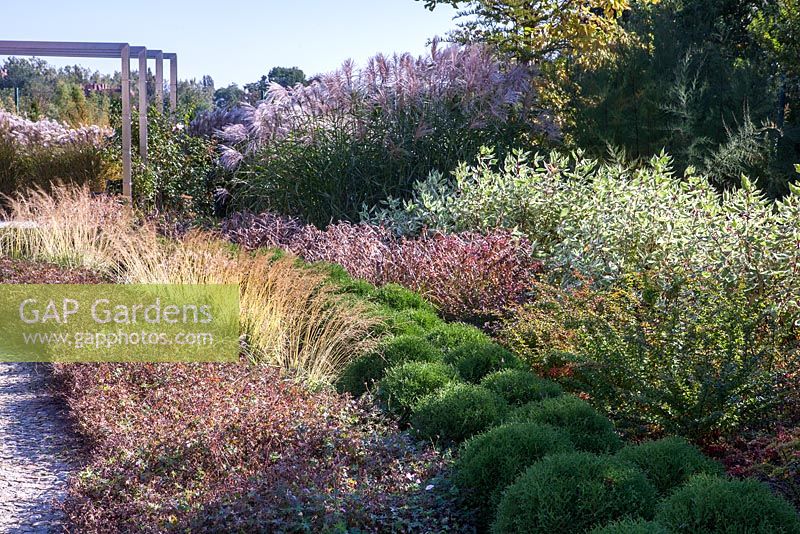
[35,450]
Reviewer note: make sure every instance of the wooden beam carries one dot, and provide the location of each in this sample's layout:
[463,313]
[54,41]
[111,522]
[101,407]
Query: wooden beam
[143,105]
[61,49]
[127,188]
[173,84]
[159,57]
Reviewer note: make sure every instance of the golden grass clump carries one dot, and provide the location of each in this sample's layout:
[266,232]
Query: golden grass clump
[70,227]
[291,316]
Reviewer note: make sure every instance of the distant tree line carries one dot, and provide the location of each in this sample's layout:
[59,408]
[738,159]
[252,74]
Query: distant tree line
[78,96]
[33,88]
[715,83]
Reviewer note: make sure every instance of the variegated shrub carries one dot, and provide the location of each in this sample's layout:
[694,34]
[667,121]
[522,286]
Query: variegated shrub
[604,221]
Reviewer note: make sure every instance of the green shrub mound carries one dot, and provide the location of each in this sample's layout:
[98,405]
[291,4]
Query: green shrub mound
[415,322]
[520,387]
[339,277]
[588,430]
[574,492]
[669,462]
[456,412]
[409,348]
[474,360]
[717,505]
[361,373]
[632,526]
[449,336]
[399,298]
[489,462]
[405,384]
[365,370]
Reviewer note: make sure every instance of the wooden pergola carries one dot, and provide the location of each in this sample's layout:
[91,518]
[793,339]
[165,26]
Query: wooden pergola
[124,52]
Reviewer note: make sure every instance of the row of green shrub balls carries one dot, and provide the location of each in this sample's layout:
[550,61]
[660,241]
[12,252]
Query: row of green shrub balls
[532,458]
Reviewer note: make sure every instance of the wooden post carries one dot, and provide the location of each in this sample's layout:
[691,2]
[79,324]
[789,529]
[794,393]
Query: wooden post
[160,82]
[173,85]
[127,189]
[143,105]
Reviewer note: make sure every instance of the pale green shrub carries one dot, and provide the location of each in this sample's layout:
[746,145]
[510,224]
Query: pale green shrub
[603,221]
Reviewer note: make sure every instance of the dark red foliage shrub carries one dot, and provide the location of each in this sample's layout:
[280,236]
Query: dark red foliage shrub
[258,231]
[469,276]
[234,447]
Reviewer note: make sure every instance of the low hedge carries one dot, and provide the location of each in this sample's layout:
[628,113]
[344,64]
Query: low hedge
[520,387]
[632,526]
[574,492]
[405,384]
[449,336]
[409,348]
[525,476]
[476,359]
[411,321]
[669,462]
[489,462]
[456,412]
[717,505]
[589,430]
[399,298]
[361,373]
[366,370]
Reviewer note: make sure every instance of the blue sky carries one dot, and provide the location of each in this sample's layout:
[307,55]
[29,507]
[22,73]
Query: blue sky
[234,41]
